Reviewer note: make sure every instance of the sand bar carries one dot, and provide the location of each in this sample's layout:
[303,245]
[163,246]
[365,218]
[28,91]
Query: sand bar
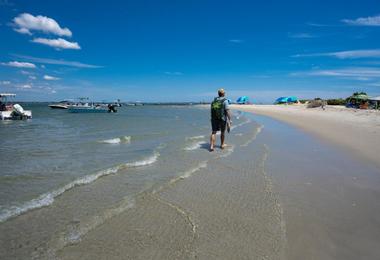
[352,129]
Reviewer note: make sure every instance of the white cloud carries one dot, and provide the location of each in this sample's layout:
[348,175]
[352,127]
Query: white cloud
[58,43]
[354,54]
[5,82]
[57,62]
[175,73]
[235,41]
[23,31]
[26,86]
[47,77]
[26,23]
[17,64]
[361,74]
[32,77]
[302,36]
[364,21]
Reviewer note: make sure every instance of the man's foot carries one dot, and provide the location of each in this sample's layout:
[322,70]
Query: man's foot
[223,146]
[211,149]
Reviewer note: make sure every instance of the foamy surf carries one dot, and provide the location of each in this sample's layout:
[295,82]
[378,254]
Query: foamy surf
[119,140]
[181,176]
[47,199]
[195,146]
[258,130]
[195,137]
[150,160]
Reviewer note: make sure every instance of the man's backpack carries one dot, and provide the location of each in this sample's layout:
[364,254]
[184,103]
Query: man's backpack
[217,108]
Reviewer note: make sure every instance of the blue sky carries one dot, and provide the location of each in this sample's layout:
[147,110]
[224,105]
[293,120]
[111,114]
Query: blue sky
[186,50]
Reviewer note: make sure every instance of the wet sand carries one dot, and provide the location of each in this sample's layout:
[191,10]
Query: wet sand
[270,200]
[352,129]
[230,212]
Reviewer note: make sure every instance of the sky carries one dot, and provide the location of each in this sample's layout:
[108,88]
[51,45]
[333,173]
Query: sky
[173,50]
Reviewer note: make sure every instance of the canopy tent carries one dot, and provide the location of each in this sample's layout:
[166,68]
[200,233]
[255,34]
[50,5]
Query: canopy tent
[375,102]
[358,101]
[285,100]
[375,98]
[359,97]
[242,100]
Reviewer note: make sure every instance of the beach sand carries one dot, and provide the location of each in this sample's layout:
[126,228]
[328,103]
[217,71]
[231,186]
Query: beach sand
[352,129]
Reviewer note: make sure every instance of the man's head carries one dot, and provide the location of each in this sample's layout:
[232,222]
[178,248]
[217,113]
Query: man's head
[221,92]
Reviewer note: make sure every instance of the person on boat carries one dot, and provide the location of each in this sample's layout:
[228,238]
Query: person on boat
[3,106]
[220,118]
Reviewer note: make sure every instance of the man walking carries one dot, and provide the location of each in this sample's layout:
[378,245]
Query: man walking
[220,118]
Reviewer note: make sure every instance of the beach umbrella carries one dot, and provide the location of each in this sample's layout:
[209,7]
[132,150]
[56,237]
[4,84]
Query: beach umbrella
[281,100]
[292,99]
[242,100]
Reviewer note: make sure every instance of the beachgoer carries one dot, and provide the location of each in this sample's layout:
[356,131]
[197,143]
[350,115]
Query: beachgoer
[220,118]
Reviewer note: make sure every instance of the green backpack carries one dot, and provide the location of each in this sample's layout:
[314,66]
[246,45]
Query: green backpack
[217,108]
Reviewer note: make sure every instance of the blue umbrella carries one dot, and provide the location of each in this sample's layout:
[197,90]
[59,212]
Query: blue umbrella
[242,100]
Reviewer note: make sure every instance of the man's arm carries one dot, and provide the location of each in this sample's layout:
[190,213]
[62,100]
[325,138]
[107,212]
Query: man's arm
[227,111]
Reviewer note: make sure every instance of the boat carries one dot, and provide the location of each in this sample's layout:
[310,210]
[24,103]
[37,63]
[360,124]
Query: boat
[12,112]
[61,105]
[88,107]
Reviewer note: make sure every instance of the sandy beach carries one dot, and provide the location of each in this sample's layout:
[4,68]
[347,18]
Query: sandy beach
[355,130]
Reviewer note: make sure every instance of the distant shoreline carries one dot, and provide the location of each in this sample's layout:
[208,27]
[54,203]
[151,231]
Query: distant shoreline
[354,130]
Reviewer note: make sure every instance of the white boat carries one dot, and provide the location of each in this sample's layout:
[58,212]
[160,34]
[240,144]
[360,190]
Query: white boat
[88,107]
[61,105]
[12,112]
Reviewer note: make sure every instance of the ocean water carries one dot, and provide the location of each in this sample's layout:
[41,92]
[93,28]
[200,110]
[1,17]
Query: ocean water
[64,175]
[57,151]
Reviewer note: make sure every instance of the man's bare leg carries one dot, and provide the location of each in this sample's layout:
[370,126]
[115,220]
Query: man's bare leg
[212,141]
[222,145]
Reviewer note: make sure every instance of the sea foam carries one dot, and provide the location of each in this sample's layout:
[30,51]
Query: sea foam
[47,198]
[194,146]
[118,140]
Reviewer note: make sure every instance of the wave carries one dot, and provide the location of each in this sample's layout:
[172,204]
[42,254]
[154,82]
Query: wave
[181,176]
[150,160]
[195,146]
[258,130]
[47,199]
[195,137]
[119,140]
[188,173]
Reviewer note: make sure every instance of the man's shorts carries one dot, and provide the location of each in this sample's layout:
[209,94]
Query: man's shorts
[218,125]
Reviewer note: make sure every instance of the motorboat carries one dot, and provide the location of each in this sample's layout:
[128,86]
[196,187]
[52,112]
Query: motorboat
[88,107]
[12,112]
[61,105]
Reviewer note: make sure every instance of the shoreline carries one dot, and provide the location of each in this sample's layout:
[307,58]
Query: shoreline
[356,131]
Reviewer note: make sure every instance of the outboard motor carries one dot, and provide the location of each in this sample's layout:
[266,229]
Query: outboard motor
[18,111]
[111,108]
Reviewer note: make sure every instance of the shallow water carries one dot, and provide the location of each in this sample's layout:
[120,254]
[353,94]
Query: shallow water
[64,169]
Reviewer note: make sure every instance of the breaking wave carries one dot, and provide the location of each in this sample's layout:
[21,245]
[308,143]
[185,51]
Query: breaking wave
[47,198]
[119,140]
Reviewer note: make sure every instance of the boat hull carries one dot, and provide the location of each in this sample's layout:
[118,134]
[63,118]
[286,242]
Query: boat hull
[57,106]
[88,110]
[9,115]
